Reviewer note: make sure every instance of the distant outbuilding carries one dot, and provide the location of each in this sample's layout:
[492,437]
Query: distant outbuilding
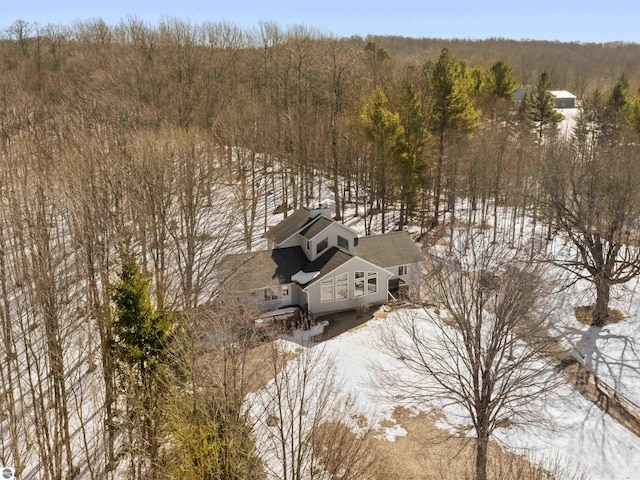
[563,99]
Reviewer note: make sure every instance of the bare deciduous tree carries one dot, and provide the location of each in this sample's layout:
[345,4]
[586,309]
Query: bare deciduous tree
[483,351]
[593,197]
[306,429]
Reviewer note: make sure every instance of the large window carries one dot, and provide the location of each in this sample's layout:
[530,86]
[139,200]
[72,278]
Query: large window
[326,290]
[343,243]
[372,282]
[342,286]
[322,245]
[358,285]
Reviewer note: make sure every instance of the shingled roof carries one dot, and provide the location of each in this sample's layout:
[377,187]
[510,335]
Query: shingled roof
[316,227]
[251,271]
[388,250]
[290,225]
[327,262]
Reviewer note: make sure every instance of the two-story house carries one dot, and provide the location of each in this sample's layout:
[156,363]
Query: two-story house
[321,266]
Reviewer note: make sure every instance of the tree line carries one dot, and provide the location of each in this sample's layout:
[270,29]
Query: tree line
[167,138]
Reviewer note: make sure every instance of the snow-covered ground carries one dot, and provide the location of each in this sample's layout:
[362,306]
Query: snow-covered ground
[611,352]
[575,431]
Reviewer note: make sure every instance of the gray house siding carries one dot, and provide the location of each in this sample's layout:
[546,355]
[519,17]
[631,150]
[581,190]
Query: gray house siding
[314,291]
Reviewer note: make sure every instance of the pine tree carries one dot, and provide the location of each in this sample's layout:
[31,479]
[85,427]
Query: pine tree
[451,109]
[382,128]
[141,333]
[499,85]
[501,81]
[408,166]
[540,107]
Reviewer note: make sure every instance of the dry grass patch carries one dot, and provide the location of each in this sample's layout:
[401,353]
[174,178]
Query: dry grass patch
[584,314]
[253,367]
[430,453]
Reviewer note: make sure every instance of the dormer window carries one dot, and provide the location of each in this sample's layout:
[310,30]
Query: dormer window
[322,245]
[343,243]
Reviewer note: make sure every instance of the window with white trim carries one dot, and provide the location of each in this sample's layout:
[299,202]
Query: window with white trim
[342,286]
[326,290]
[322,244]
[358,284]
[343,243]
[402,270]
[372,282]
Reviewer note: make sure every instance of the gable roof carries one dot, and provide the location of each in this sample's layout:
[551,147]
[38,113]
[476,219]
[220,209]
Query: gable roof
[250,271]
[389,249]
[290,225]
[327,262]
[268,268]
[316,227]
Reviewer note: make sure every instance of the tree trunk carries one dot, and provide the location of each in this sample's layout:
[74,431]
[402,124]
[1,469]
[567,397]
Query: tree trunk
[601,311]
[438,182]
[482,443]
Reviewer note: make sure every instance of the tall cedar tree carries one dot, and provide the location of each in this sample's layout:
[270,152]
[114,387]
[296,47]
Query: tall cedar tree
[142,338]
[451,110]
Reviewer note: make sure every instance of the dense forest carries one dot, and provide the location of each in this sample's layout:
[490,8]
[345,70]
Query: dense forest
[134,157]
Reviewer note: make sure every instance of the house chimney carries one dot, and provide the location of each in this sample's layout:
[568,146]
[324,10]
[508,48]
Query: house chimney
[320,210]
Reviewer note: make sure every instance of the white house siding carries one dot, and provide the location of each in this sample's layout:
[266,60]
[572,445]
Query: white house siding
[411,278]
[316,306]
[292,241]
[414,270]
[331,234]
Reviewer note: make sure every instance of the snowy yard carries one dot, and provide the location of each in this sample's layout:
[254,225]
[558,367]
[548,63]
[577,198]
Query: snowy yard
[575,431]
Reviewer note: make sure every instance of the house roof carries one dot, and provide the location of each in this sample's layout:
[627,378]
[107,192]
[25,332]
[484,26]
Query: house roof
[389,249]
[327,262]
[316,227]
[290,225]
[250,271]
[561,94]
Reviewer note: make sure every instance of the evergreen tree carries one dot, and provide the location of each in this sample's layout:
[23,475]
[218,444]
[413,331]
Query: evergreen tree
[501,81]
[633,114]
[142,341]
[141,333]
[539,106]
[451,109]
[619,96]
[408,165]
[382,128]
